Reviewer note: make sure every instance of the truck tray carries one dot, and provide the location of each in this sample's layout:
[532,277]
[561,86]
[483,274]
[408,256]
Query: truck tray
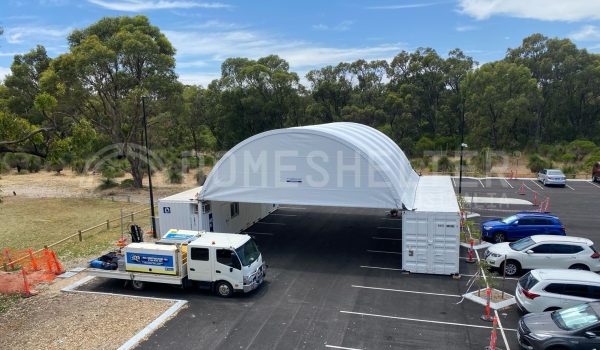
[135,276]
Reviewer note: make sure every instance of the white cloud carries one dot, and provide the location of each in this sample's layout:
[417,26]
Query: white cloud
[4,71]
[16,35]
[148,5]
[340,27]
[190,64]
[198,78]
[546,10]
[466,28]
[401,6]
[216,24]
[300,54]
[586,33]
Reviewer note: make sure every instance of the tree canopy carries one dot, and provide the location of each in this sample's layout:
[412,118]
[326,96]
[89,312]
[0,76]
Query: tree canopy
[64,109]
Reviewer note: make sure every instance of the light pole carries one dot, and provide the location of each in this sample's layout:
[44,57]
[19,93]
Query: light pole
[462,146]
[154,231]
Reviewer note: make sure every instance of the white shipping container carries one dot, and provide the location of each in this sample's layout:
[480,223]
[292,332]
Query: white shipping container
[182,211]
[431,232]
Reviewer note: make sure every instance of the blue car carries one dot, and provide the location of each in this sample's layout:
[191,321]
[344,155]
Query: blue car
[521,225]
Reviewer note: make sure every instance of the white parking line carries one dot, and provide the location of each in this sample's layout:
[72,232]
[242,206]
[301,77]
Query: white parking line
[495,277]
[387,238]
[294,208]
[409,291]
[481,182]
[259,233]
[570,187]
[537,184]
[422,321]
[380,268]
[340,347]
[511,186]
[282,215]
[593,184]
[383,251]
[388,228]
[270,223]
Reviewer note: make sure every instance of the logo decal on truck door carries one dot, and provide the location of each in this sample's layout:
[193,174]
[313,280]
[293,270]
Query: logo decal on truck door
[167,210]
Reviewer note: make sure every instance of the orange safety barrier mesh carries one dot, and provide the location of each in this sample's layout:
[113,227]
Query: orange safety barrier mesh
[24,269]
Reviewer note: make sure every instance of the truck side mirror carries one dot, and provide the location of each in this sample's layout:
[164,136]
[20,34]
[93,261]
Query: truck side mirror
[529,251]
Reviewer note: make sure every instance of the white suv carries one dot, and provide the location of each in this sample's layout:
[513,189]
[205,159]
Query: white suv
[546,290]
[544,251]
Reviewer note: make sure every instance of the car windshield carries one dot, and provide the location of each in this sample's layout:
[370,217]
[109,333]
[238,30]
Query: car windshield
[522,244]
[248,253]
[510,219]
[554,172]
[576,317]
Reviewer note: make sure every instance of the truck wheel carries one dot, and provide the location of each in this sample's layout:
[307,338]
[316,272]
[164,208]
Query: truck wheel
[224,289]
[511,267]
[499,237]
[137,285]
[579,267]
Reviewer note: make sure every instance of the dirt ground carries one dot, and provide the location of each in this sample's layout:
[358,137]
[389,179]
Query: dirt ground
[69,185]
[59,320]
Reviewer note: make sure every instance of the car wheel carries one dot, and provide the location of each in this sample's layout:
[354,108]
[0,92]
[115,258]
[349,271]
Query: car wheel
[544,182]
[137,285]
[579,267]
[224,289]
[499,237]
[511,267]
[553,308]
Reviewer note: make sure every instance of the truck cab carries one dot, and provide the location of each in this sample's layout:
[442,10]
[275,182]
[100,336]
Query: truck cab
[225,262]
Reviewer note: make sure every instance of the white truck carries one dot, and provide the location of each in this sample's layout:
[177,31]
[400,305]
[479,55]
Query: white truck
[223,262]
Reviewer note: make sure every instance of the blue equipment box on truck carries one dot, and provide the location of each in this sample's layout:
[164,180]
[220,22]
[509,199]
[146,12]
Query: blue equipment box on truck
[152,258]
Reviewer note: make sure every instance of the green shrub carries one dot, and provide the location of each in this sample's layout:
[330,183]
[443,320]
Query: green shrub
[581,148]
[107,183]
[78,166]
[4,167]
[444,164]
[567,158]
[34,164]
[175,176]
[208,160]
[569,170]
[17,160]
[56,165]
[424,144]
[127,184]
[537,163]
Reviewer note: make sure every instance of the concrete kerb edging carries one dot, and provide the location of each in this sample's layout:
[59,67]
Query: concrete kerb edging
[154,325]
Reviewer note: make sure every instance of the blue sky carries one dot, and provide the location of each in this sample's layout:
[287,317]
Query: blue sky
[309,34]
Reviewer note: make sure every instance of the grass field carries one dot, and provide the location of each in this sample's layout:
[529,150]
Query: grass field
[33,223]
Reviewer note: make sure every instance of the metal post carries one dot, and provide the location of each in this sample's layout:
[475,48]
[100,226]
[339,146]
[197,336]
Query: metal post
[154,232]
[504,275]
[121,217]
[462,145]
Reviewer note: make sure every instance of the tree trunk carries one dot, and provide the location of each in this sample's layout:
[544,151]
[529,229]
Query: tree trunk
[136,171]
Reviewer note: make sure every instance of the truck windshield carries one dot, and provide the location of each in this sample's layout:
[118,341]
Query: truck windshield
[248,253]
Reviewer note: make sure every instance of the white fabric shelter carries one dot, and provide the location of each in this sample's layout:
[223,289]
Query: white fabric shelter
[336,164]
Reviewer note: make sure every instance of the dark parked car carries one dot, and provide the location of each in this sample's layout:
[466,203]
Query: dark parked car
[596,172]
[521,225]
[575,328]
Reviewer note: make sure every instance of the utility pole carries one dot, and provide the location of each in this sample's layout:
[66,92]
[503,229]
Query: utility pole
[152,214]
[462,145]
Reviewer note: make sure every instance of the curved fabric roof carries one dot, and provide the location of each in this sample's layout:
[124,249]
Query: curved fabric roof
[336,164]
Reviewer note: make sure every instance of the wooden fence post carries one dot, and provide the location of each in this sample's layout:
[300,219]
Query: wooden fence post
[107,224]
[80,236]
[131,216]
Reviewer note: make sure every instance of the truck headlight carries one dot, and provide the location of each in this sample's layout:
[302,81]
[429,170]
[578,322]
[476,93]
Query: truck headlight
[246,279]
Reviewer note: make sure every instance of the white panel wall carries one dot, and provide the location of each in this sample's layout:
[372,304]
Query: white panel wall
[430,242]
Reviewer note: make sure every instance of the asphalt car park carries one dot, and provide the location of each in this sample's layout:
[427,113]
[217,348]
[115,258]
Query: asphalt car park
[335,281]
